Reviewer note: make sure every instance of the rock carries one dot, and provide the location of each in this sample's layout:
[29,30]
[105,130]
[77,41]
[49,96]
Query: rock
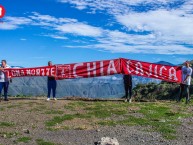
[108,141]
[26,131]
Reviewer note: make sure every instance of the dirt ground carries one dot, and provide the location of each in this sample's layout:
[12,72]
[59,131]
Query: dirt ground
[26,118]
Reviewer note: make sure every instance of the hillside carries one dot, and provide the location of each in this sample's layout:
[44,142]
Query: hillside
[161,91]
[99,87]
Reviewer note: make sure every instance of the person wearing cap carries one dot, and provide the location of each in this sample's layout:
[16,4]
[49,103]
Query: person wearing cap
[128,87]
[4,80]
[186,80]
[51,83]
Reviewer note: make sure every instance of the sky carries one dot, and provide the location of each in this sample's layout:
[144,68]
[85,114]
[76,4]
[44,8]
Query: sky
[32,32]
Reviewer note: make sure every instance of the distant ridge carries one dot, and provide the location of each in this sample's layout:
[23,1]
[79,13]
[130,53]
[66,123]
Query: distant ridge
[165,63]
[17,67]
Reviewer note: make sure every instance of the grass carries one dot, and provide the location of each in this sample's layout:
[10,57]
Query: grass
[8,134]
[6,124]
[2,109]
[37,108]
[54,112]
[162,117]
[14,106]
[42,142]
[59,119]
[23,139]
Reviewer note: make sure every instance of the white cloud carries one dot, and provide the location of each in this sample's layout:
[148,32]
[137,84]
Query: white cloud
[168,28]
[11,23]
[56,36]
[7,26]
[113,6]
[80,29]
[169,25]
[47,18]
[146,49]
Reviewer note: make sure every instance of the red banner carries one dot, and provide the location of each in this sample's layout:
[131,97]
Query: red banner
[88,69]
[36,71]
[151,70]
[102,68]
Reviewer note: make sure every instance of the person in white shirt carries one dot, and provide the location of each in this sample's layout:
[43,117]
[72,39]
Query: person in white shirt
[4,80]
[186,81]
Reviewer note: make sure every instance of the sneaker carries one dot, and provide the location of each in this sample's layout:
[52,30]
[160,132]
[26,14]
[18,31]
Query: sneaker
[126,100]
[48,99]
[55,99]
[6,100]
[130,100]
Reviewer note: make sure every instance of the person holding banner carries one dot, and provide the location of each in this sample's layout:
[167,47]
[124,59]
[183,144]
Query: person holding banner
[186,80]
[128,87]
[4,80]
[51,83]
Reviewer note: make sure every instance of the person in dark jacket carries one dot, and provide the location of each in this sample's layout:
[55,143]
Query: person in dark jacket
[128,87]
[52,84]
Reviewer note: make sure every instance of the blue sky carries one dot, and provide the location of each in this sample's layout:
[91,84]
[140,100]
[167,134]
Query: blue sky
[70,31]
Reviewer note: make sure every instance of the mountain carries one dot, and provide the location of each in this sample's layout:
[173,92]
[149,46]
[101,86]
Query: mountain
[99,87]
[17,67]
[165,63]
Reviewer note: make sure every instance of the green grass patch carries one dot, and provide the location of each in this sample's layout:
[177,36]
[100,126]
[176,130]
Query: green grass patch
[6,124]
[37,108]
[61,127]
[8,134]
[75,105]
[69,107]
[2,109]
[42,142]
[54,112]
[59,119]
[23,139]
[15,106]
[107,123]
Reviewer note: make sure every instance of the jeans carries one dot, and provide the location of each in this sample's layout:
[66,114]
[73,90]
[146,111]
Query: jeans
[128,88]
[4,85]
[186,89]
[52,86]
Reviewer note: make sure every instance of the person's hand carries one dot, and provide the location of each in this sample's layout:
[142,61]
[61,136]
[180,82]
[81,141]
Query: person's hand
[2,69]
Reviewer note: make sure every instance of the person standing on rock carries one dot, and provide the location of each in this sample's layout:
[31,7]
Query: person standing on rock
[186,81]
[4,80]
[52,84]
[128,87]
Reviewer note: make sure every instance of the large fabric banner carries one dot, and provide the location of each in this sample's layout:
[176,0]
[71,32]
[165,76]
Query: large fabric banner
[151,70]
[36,71]
[102,68]
[88,69]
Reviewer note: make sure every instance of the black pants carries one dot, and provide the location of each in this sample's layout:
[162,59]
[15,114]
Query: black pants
[52,86]
[128,88]
[184,89]
[5,86]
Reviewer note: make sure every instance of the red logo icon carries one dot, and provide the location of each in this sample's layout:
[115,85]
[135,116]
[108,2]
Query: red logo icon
[2,11]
